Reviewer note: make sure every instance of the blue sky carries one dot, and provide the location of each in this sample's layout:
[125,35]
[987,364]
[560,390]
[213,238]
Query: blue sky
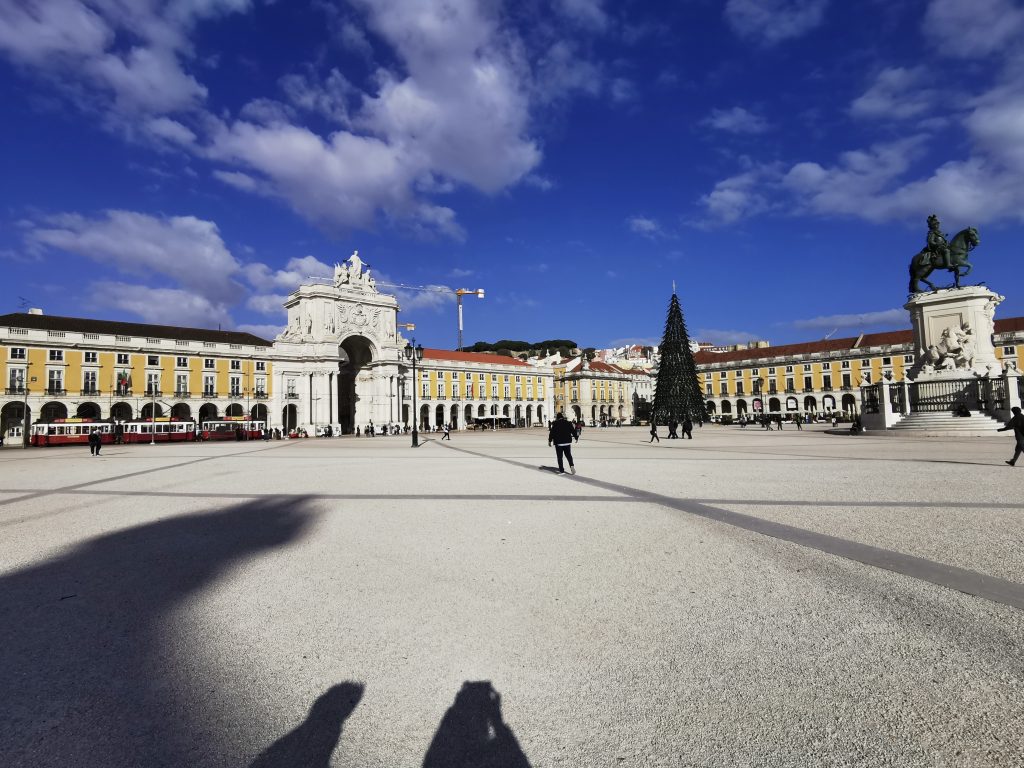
[190,161]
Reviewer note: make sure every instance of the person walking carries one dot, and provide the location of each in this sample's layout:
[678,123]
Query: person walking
[799,423]
[1016,423]
[447,433]
[672,427]
[561,436]
[94,443]
[687,428]
[654,432]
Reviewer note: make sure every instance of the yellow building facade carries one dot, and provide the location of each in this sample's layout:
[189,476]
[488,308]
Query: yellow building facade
[820,377]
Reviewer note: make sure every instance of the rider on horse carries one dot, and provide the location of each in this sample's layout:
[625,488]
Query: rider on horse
[937,245]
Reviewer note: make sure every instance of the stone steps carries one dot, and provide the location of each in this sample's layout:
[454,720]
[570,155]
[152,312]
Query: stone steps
[947,425]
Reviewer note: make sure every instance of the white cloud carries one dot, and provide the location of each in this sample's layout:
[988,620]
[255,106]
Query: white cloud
[163,306]
[458,273]
[645,227]
[736,120]
[739,196]
[238,180]
[622,90]
[171,130]
[183,248]
[267,303]
[329,99]
[586,12]
[431,297]
[973,28]
[769,22]
[295,272]
[722,337]
[132,53]
[889,317]
[897,93]
[267,331]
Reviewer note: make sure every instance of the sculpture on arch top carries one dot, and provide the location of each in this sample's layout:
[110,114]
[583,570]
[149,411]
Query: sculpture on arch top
[354,274]
[939,253]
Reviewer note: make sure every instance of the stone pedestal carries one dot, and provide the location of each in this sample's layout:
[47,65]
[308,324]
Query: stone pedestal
[953,330]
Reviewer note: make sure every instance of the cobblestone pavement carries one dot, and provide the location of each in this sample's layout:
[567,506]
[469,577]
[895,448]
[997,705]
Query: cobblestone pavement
[746,598]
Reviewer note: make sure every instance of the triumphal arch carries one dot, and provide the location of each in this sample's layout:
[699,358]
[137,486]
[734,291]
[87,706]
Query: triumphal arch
[339,361]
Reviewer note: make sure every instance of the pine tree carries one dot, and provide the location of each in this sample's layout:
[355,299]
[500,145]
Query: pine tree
[677,392]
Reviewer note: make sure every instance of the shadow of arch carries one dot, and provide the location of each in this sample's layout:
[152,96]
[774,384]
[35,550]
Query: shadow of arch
[84,636]
[473,734]
[312,743]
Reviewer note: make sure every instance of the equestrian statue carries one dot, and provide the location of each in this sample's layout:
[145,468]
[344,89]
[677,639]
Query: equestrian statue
[942,254]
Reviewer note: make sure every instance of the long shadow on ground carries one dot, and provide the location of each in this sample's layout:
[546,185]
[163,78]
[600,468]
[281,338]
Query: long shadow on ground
[86,675]
[473,734]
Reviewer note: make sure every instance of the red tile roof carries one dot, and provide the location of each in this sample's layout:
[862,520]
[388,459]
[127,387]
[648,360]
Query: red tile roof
[471,357]
[885,338]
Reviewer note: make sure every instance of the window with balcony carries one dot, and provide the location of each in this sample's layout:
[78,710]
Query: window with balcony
[826,382]
[16,381]
[494,391]
[152,383]
[455,390]
[440,390]
[181,385]
[55,382]
[235,386]
[210,386]
[426,390]
[17,353]
[710,390]
[90,357]
[261,386]
[789,385]
[89,383]
[725,388]
[289,389]
[808,383]
[846,381]
[56,355]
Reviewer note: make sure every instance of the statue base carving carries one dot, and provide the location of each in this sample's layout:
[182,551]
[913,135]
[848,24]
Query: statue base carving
[952,330]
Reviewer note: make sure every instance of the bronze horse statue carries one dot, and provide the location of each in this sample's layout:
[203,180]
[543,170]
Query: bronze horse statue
[954,259]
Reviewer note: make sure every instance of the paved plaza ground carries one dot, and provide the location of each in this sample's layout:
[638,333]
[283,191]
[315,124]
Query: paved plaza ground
[743,599]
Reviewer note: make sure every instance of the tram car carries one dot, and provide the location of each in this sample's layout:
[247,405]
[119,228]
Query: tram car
[77,431]
[232,428]
[167,430]
[70,432]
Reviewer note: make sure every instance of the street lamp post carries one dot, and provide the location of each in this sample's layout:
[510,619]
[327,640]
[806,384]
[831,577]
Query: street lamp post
[24,412]
[152,415]
[414,354]
[459,293]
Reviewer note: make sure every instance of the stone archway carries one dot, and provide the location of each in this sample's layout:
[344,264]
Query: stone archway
[259,413]
[147,411]
[529,415]
[52,411]
[289,417]
[710,406]
[87,411]
[12,417]
[774,406]
[469,416]
[424,416]
[208,412]
[726,407]
[181,411]
[810,404]
[439,416]
[121,412]
[741,407]
[235,409]
[481,411]
[454,420]
[355,353]
[849,403]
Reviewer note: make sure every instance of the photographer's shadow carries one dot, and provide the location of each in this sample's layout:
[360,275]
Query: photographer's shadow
[472,733]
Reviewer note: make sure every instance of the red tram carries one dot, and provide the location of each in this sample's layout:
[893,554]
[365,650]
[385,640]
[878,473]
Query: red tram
[77,431]
[232,428]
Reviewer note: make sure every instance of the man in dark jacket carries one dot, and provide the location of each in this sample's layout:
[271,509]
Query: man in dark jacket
[561,436]
[1017,425]
[688,427]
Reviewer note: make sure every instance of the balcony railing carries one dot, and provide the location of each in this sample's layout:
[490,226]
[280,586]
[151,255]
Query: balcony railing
[209,393]
[261,395]
[90,391]
[150,392]
[14,391]
[182,393]
[291,396]
[808,389]
[56,391]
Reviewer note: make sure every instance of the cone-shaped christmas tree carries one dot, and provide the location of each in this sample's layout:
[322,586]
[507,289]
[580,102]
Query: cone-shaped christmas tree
[677,393]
